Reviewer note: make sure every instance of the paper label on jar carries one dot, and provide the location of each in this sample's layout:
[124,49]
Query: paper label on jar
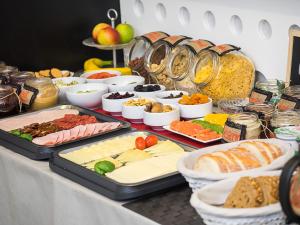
[28,95]
[287,102]
[196,46]
[175,40]
[153,37]
[260,96]
[234,132]
[224,49]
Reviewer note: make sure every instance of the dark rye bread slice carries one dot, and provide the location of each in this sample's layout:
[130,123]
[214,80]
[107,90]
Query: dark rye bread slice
[270,187]
[246,194]
[251,192]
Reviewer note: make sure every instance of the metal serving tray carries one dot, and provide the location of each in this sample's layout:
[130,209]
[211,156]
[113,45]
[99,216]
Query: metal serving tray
[38,152]
[109,187]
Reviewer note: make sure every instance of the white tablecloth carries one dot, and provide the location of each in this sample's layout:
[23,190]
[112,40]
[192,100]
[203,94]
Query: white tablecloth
[31,194]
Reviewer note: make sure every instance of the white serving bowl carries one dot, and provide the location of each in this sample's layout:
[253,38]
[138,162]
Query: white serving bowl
[150,94]
[124,83]
[114,106]
[195,111]
[160,97]
[134,114]
[157,120]
[87,100]
[87,74]
[63,89]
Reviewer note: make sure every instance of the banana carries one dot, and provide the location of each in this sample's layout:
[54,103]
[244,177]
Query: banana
[95,63]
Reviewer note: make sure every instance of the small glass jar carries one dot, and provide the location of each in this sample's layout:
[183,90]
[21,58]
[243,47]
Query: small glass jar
[274,86]
[47,95]
[9,103]
[232,106]
[251,121]
[181,61]
[136,54]
[19,78]
[223,72]
[293,91]
[5,73]
[285,118]
[156,60]
[266,110]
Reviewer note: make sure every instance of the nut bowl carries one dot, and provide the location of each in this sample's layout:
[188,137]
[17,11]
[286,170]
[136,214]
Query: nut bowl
[188,112]
[158,120]
[162,97]
[135,113]
[114,106]
[86,95]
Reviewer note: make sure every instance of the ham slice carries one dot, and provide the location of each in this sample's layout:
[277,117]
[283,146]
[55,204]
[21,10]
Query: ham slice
[48,140]
[75,133]
[82,129]
[89,130]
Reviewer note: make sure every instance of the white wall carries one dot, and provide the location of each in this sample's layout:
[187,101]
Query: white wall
[259,27]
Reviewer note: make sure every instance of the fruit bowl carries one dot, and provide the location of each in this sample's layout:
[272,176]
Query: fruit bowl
[124,83]
[149,94]
[188,112]
[161,97]
[86,75]
[91,43]
[114,106]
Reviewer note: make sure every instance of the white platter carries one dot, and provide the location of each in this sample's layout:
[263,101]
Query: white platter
[190,137]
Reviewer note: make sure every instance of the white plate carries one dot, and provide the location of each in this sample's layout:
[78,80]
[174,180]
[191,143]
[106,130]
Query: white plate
[190,137]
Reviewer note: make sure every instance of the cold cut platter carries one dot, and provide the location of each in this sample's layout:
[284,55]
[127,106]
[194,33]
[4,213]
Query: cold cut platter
[37,134]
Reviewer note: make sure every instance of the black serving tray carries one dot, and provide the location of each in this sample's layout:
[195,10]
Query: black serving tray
[109,187]
[38,152]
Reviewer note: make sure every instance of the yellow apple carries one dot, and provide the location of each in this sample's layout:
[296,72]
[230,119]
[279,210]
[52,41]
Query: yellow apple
[97,28]
[108,36]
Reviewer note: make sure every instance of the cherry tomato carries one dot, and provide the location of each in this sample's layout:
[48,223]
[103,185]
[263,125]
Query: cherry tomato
[140,143]
[151,140]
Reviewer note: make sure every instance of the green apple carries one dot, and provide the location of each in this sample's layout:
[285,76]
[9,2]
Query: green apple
[126,32]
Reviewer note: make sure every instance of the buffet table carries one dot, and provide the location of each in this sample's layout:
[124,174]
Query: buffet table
[32,194]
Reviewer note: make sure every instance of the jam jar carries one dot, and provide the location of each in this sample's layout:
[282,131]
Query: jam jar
[5,73]
[136,54]
[19,78]
[181,61]
[224,72]
[47,93]
[156,58]
[285,118]
[274,86]
[252,122]
[232,106]
[9,102]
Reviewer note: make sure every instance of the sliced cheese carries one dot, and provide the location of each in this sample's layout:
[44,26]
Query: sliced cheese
[140,171]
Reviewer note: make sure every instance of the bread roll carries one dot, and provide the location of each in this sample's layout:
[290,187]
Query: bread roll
[247,155]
